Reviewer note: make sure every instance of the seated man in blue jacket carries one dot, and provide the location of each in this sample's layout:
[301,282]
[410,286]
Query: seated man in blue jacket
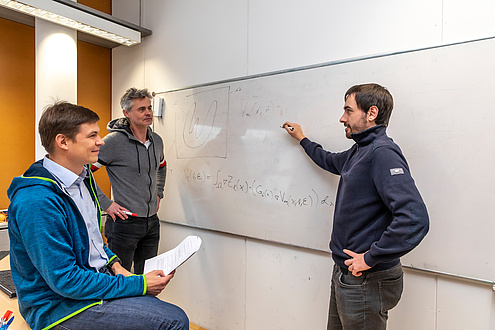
[65,276]
[379,213]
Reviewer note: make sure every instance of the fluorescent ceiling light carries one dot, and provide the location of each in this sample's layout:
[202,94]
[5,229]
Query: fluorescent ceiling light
[79,17]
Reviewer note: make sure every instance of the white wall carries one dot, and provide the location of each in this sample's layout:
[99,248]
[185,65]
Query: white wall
[238,283]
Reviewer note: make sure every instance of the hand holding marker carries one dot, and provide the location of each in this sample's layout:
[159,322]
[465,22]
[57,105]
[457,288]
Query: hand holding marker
[294,130]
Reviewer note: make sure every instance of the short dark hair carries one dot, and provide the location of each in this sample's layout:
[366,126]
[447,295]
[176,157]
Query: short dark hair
[63,118]
[368,95]
[126,101]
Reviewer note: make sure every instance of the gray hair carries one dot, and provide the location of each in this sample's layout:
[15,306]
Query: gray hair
[126,101]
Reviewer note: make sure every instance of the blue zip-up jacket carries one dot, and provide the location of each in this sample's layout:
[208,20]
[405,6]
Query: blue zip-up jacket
[378,209]
[49,253]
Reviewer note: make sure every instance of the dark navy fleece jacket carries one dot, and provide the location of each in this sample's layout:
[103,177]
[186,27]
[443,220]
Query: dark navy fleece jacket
[378,210]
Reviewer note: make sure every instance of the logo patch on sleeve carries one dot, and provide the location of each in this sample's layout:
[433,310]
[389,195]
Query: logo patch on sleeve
[396,171]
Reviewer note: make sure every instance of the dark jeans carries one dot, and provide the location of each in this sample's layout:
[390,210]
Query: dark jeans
[134,239]
[363,302]
[144,312]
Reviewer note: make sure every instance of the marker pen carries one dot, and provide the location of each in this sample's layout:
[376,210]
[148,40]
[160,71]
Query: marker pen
[7,325]
[130,213]
[6,316]
[290,127]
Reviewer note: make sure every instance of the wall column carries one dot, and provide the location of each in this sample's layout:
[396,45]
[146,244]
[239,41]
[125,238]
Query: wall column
[56,69]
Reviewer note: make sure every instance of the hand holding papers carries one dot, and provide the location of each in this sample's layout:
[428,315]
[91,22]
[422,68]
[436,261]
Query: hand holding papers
[172,259]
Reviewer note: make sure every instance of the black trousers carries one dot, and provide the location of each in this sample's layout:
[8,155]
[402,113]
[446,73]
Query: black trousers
[133,240]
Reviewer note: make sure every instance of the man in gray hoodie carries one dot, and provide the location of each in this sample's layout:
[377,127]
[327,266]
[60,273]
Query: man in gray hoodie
[135,162]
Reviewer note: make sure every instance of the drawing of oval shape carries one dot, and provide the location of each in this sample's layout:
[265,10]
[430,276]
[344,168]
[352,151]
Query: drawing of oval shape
[199,126]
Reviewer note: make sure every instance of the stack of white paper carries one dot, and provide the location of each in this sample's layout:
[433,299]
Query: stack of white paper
[172,259]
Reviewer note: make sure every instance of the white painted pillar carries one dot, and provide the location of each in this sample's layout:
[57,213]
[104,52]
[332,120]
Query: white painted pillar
[56,69]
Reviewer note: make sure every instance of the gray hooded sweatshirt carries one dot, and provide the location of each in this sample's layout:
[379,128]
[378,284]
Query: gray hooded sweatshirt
[136,172]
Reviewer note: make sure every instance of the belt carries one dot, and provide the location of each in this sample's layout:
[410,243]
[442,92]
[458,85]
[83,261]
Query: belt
[346,271]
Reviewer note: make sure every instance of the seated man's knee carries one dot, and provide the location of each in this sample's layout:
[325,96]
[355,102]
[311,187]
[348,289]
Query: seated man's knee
[182,320]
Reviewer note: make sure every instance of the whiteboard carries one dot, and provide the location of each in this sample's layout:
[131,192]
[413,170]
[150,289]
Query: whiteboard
[232,168]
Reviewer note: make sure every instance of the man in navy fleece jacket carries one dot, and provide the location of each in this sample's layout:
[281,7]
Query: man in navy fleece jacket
[379,213]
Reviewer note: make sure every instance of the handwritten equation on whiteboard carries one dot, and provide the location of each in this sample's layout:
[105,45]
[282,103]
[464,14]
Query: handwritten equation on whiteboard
[255,188]
[230,167]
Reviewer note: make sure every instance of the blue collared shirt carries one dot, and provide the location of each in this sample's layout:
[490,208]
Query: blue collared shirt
[76,188]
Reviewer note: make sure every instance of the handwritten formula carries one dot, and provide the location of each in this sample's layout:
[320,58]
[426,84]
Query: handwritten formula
[225,181]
